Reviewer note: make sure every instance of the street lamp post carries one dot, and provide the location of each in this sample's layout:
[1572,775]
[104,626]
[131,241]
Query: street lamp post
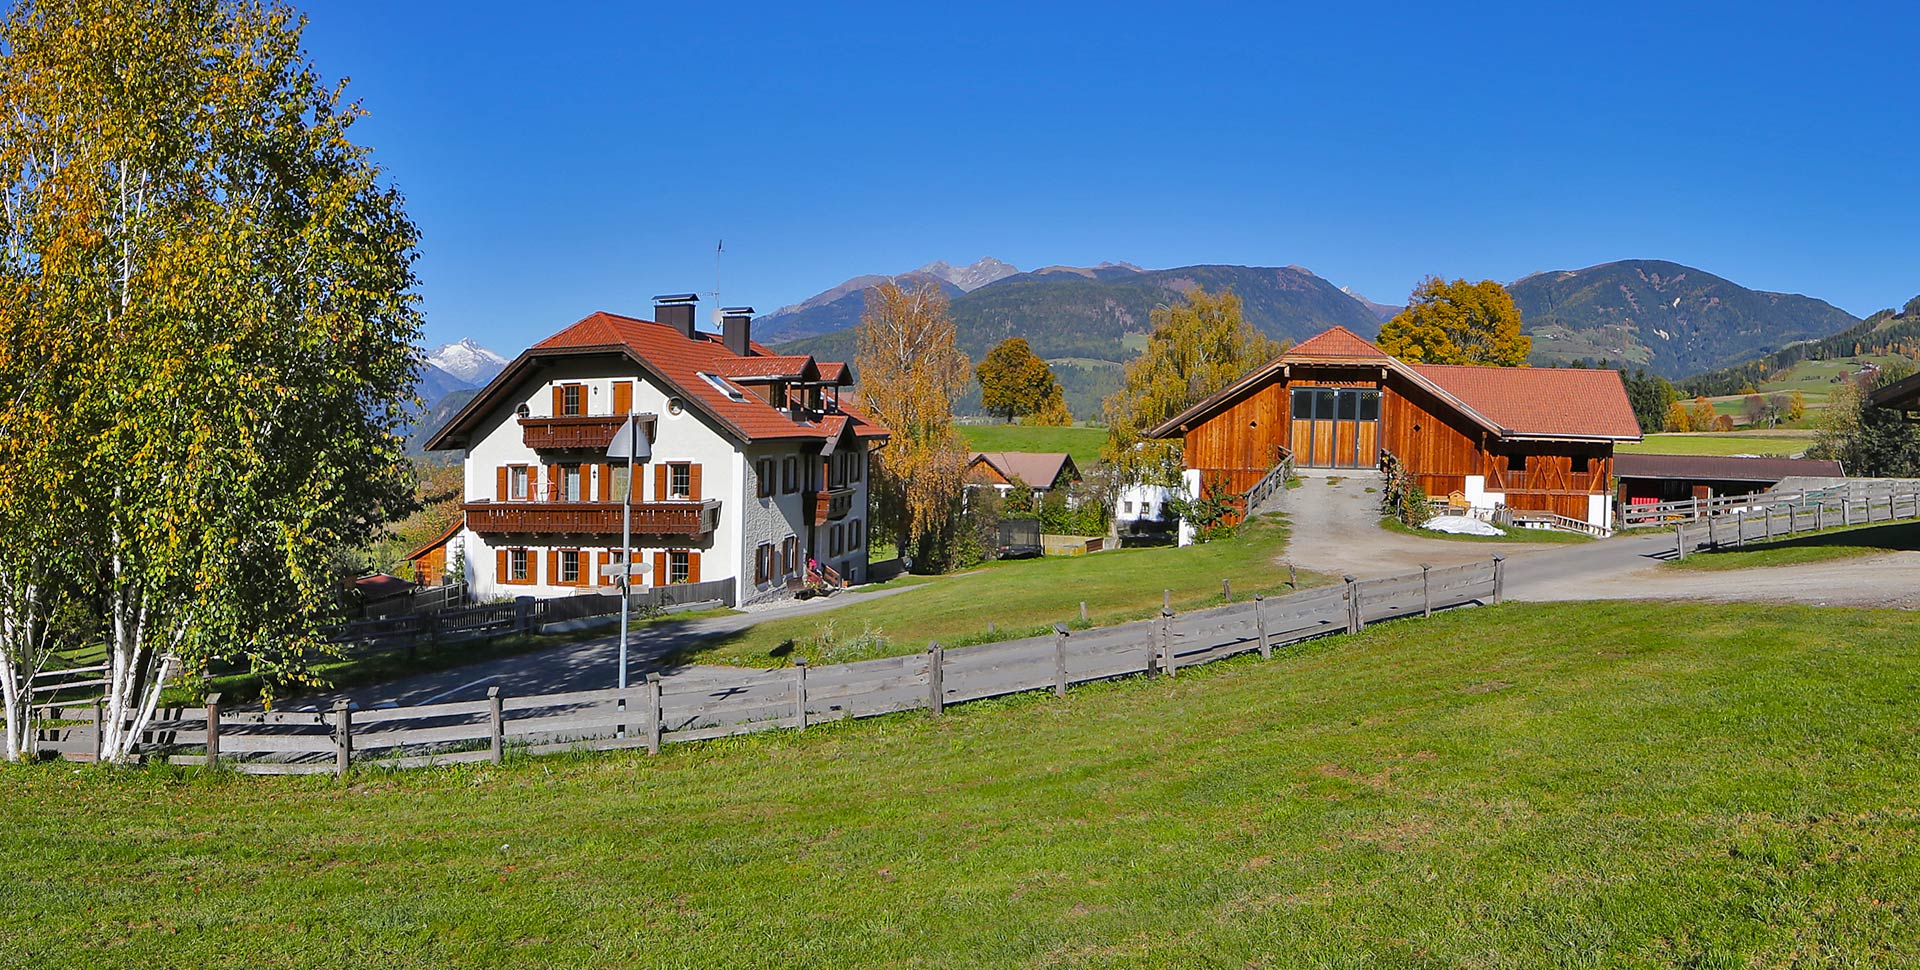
[632,445]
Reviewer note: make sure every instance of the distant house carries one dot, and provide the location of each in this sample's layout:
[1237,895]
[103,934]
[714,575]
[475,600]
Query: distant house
[1140,513]
[1532,439]
[1041,471]
[1650,479]
[432,566]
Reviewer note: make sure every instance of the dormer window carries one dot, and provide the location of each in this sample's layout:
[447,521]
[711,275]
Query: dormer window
[732,393]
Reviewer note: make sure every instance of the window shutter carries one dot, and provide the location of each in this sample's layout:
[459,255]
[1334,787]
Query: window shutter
[606,483]
[600,563]
[659,483]
[500,484]
[559,400]
[622,397]
[693,564]
[693,481]
[659,569]
[553,567]
[500,566]
[553,482]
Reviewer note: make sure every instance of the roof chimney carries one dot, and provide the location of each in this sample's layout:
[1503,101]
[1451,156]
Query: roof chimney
[676,310]
[736,330]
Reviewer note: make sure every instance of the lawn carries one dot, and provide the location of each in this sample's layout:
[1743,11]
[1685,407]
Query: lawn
[1082,443]
[1022,598]
[1816,547]
[1517,786]
[1726,443]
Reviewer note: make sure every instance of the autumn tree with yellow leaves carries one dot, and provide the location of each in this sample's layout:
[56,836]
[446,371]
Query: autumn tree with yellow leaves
[1198,346]
[911,372]
[207,336]
[1457,323]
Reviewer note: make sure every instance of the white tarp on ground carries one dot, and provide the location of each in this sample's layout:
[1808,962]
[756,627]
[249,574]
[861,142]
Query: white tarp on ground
[1462,525]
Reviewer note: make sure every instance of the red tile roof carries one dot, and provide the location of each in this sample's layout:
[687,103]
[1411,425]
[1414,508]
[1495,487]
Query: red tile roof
[793,368]
[1337,342]
[1039,469]
[834,372]
[677,361]
[1547,401]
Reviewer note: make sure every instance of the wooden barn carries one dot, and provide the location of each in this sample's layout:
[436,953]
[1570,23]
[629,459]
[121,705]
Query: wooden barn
[1530,438]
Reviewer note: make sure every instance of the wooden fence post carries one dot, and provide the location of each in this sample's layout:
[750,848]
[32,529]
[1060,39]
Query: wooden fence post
[1426,589]
[213,729]
[496,726]
[342,738]
[1351,591]
[99,730]
[989,628]
[1167,661]
[1083,611]
[936,689]
[1359,614]
[1226,589]
[1499,578]
[1846,511]
[800,694]
[1059,660]
[1260,627]
[656,718]
[1293,576]
[1679,542]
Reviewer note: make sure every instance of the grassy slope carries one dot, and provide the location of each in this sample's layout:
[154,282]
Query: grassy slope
[1023,598]
[1657,785]
[1728,443]
[1819,547]
[1082,443]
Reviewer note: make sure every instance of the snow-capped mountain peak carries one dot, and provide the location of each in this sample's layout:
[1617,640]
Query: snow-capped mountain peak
[468,361]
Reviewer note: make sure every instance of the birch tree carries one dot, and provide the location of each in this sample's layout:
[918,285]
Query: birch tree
[911,372]
[232,282]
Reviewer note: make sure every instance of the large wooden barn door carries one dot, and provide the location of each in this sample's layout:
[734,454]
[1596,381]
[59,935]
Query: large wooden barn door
[1336,427]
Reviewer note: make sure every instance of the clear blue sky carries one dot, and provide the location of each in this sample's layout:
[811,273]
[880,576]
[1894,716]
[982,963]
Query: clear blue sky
[570,157]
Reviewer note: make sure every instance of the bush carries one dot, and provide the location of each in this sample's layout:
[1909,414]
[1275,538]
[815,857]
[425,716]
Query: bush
[1212,515]
[1400,494]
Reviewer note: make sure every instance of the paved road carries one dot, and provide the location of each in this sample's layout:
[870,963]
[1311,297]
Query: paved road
[1336,531]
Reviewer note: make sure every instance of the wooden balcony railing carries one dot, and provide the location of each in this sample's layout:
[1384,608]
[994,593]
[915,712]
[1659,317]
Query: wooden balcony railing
[593,432]
[593,518]
[832,505]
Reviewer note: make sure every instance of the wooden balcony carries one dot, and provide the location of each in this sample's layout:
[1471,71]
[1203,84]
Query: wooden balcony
[575,432]
[592,518]
[832,505]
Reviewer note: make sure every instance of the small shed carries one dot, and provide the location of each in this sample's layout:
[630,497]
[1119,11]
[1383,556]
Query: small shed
[1649,479]
[431,564]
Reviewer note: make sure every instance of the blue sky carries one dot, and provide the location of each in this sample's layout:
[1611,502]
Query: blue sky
[588,157]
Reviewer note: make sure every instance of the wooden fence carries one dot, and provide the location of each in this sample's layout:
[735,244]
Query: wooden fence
[1765,523]
[697,706]
[1694,510]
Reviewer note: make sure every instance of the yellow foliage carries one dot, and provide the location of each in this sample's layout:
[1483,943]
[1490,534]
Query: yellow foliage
[1457,323]
[911,372]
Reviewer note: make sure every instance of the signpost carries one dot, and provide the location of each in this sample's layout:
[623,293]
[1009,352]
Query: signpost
[631,444]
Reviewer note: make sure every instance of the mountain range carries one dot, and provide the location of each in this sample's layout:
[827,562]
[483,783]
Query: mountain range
[1674,320]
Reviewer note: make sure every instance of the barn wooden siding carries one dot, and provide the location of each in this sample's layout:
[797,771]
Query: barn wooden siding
[1235,447]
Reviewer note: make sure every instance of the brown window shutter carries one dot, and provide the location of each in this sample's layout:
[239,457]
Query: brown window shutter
[553,482]
[559,400]
[500,485]
[659,569]
[601,561]
[693,564]
[622,397]
[659,483]
[606,483]
[553,566]
[693,481]
[500,566]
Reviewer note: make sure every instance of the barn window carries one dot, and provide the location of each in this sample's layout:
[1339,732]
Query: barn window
[1580,464]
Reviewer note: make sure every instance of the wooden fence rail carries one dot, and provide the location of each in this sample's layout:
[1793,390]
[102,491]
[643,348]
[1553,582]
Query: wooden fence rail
[1694,510]
[696,706]
[1769,523]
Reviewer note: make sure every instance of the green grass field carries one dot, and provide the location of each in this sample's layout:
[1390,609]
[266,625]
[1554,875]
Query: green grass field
[1519,786]
[1022,597]
[1817,547]
[1725,443]
[1082,443]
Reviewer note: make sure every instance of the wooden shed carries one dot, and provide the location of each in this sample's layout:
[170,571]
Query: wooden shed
[1530,438]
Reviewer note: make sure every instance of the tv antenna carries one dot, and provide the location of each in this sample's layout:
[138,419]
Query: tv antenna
[719,250]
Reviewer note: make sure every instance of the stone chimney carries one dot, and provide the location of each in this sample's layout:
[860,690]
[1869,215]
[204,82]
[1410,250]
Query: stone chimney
[736,330]
[676,310]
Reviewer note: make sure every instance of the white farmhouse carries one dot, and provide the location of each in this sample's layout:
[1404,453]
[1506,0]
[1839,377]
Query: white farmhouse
[758,467]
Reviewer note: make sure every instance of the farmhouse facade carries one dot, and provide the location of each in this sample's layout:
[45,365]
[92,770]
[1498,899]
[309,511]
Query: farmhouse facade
[758,467]
[1530,439]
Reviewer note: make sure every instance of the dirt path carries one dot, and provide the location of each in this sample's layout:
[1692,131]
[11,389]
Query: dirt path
[1336,529]
[1886,580]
